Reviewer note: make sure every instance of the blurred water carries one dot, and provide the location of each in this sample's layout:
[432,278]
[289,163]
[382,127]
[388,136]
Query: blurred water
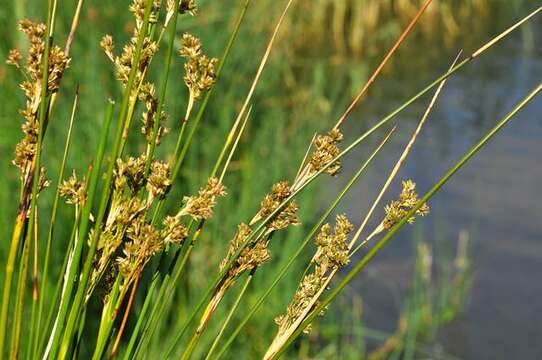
[495,197]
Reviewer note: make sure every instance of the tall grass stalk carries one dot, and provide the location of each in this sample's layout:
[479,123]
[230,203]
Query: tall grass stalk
[42,293]
[29,193]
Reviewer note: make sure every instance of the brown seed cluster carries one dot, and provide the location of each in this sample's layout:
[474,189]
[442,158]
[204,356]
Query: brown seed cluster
[201,207]
[14,58]
[126,226]
[286,216]
[332,245]
[145,92]
[332,253]
[306,291]
[73,190]
[58,61]
[326,151]
[174,232]
[147,96]
[42,181]
[397,209]
[199,70]
[126,212]
[158,183]
[279,192]
[143,242]
[188,6]
[254,253]
[138,8]
[130,173]
[251,256]
[32,86]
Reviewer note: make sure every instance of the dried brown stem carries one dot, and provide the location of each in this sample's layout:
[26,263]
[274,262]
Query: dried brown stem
[378,70]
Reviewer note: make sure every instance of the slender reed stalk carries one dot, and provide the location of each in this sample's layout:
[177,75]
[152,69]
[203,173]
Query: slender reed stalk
[50,232]
[386,59]
[232,311]
[21,291]
[83,228]
[30,183]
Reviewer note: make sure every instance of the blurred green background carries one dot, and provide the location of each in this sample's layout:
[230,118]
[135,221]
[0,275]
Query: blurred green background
[325,51]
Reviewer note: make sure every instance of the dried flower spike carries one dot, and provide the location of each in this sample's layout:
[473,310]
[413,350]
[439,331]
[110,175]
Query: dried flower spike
[333,247]
[145,243]
[326,151]
[130,173]
[188,6]
[397,209]
[14,58]
[243,232]
[173,231]
[73,190]
[201,207]
[32,87]
[279,192]
[332,253]
[108,46]
[251,257]
[199,69]
[158,183]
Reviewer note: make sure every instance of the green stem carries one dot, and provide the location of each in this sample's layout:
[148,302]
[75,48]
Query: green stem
[142,315]
[107,321]
[58,287]
[35,295]
[21,290]
[36,163]
[73,272]
[161,305]
[230,315]
[148,330]
[163,88]
[45,272]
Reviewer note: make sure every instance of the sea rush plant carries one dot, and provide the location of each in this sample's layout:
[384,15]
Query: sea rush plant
[119,229]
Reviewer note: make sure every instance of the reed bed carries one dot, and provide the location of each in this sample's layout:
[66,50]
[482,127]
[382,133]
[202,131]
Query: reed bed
[355,29]
[124,243]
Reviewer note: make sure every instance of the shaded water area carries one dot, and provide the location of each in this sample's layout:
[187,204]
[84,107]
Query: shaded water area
[495,197]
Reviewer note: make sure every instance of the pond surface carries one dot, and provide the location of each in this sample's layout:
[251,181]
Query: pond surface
[496,197]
